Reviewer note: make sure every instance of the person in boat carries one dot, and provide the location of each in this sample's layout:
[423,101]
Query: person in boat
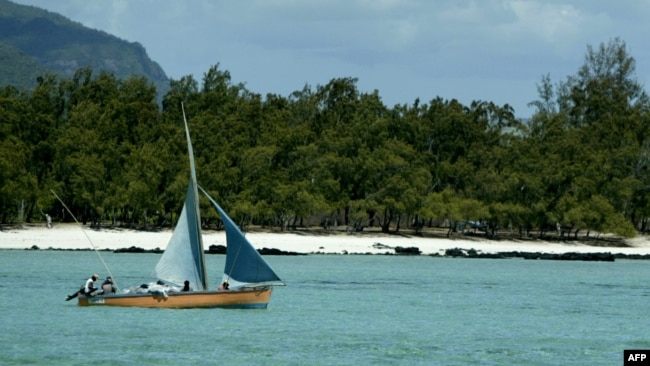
[186,286]
[107,286]
[88,289]
[224,286]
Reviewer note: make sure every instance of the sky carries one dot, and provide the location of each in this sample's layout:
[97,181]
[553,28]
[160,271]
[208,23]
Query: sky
[470,50]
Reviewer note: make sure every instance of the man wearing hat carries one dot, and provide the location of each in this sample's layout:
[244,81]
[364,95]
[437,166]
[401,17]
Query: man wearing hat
[90,284]
[87,289]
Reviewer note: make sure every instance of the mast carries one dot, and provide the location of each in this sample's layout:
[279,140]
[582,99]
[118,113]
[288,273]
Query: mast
[198,243]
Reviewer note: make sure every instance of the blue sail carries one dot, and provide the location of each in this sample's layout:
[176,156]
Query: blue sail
[184,259]
[245,267]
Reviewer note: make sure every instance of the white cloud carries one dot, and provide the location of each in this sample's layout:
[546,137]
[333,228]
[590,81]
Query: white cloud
[559,25]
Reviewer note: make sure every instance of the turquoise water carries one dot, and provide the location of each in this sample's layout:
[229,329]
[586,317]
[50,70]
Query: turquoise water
[336,310]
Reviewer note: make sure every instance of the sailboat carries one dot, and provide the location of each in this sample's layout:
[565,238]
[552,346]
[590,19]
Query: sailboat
[249,276]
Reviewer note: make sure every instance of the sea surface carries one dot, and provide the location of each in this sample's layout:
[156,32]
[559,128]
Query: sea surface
[335,310]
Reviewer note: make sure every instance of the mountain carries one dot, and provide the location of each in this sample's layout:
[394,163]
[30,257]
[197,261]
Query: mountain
[34,41]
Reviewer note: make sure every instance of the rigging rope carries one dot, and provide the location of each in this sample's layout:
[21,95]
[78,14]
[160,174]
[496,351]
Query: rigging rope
[234,262]
[87,237]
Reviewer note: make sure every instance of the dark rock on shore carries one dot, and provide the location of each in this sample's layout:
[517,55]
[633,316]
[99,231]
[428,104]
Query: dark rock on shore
[632,256]
[129,250]
[221,249]
[455,252]
[571,256]
[134,249]
[213,249]
[273,251]
[407,251]
[216,249]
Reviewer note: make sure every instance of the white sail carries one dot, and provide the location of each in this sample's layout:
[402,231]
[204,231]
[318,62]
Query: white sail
[184,259]
[180,261]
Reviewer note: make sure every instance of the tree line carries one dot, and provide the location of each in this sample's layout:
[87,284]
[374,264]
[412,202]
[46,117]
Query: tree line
[332,155]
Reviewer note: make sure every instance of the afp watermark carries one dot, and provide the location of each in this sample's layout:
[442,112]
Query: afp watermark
[636,357]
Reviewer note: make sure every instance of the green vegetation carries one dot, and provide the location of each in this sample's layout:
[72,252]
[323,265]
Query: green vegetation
[332,155]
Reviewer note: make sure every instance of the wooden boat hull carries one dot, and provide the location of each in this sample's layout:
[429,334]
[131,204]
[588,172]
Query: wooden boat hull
[243,299]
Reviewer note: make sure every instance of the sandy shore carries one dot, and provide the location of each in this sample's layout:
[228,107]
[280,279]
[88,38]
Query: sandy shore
[72,236]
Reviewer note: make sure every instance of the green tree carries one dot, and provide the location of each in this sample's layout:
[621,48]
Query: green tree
[14,157]
[594,127]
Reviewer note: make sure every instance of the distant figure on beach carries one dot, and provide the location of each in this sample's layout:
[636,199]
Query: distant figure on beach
[86,289]
[48,219]
[107,286]
[224,286]
[186,286]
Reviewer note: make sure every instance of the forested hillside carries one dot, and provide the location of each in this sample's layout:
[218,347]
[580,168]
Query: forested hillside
[331,155]
[34,41]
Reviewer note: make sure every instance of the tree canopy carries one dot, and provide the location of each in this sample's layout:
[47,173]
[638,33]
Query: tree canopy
[333,155]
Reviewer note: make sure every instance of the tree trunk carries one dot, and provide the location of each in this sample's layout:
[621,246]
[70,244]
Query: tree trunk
[30,211]
[336,218]
[385,223]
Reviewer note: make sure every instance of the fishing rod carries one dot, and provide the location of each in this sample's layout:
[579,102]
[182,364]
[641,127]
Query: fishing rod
[87,237]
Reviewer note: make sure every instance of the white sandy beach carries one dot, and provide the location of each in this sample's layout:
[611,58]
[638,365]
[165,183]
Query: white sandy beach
[72,236]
